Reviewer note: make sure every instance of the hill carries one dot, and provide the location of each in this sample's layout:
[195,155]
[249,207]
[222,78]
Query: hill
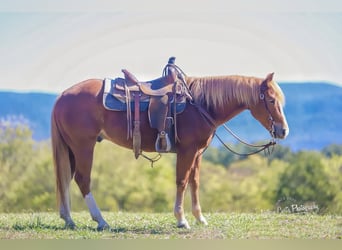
[31,108]
[313,112]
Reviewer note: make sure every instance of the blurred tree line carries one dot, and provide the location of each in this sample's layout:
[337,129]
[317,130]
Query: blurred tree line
[119,182]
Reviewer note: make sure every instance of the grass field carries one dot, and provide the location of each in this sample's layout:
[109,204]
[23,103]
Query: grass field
[163,226]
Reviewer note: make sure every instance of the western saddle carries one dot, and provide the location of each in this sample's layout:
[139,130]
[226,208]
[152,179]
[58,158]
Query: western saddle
[162,92]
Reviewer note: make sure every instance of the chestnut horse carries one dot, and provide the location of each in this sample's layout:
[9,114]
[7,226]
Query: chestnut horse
[79,117]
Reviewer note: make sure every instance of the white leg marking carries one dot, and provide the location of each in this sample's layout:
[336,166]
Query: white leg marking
[196,211]
[95,211]
[181,220]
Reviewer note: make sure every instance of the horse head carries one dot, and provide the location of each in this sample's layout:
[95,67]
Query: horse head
[269,109]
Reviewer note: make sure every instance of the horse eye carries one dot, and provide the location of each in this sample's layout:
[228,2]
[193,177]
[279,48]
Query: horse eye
[272,101]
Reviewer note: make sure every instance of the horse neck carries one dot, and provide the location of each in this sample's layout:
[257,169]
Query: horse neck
[224,97]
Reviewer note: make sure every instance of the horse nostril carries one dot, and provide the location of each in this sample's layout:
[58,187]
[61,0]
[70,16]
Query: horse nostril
[285,132]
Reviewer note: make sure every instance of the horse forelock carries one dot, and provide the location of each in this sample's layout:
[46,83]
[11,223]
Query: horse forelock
[222,90]
[277,92]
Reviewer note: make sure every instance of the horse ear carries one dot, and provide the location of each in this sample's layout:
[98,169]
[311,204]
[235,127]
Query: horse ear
[265,84]
[269,77]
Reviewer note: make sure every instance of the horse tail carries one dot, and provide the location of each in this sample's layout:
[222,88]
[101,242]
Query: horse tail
[62,164]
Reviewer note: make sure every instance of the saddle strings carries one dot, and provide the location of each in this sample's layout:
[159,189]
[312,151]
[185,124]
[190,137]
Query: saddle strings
[151,159]
[129,112]
[181,75]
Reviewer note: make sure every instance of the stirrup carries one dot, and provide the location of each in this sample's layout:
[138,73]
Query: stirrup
[163,143]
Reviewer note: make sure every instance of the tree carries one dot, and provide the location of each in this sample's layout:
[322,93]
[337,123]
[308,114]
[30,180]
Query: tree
[15,156]
[36,189]
[305,180]
[333,149]
[281,152]
[219,156]
[119,182]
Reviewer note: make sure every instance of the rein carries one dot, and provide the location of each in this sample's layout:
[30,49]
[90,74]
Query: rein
[262,147]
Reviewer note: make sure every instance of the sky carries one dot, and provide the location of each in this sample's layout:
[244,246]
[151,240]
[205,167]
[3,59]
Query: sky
[47,46]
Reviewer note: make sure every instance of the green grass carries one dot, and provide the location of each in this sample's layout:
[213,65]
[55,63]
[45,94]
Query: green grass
[163,226]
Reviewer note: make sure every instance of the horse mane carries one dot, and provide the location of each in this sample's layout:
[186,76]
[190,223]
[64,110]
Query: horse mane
[221,90]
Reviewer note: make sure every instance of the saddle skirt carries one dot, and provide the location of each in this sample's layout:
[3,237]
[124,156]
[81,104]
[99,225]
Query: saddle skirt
[116,90]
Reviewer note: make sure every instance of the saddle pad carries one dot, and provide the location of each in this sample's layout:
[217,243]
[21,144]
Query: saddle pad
[112,103]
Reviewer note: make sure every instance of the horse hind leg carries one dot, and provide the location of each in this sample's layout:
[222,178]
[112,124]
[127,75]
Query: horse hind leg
[64,199]
[82,177]
[95,212]
[62,159]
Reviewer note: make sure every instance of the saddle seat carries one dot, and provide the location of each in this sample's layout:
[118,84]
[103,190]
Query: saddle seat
[158,87]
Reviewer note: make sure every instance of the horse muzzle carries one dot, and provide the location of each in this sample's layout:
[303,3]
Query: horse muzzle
[279,131]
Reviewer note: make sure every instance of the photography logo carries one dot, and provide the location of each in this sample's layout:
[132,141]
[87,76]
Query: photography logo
[291,206]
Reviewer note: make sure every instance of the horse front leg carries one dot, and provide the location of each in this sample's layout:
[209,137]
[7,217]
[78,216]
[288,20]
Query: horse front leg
[194,181]
[185,161]
[179,209]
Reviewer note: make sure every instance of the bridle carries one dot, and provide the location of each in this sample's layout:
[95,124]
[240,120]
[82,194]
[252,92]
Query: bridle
[263,89]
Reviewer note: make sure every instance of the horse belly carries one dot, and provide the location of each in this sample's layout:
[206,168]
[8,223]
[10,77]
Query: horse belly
[116,130]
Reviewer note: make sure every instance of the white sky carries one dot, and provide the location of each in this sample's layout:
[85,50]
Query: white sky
[47,47]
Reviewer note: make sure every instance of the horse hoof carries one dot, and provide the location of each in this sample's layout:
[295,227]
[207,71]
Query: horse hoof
[183,224]
[202,221]
[70,225]
[103,227]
